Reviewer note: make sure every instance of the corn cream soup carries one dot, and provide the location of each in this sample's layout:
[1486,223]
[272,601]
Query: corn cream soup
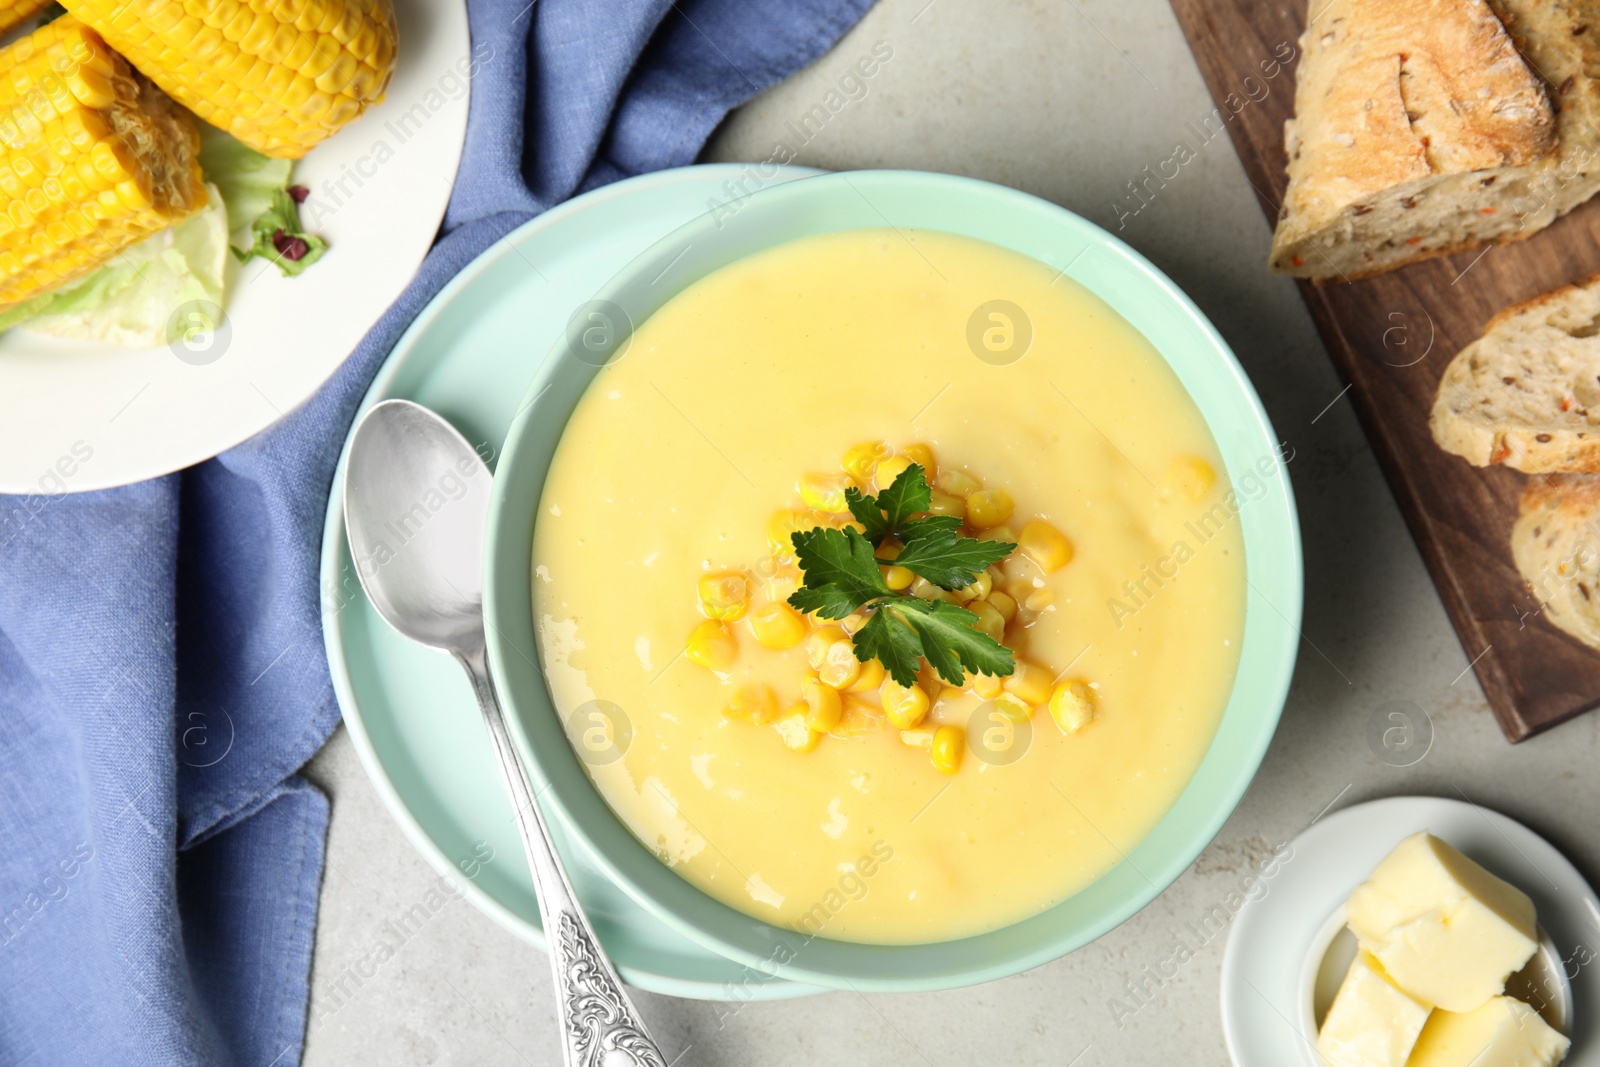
[732,736]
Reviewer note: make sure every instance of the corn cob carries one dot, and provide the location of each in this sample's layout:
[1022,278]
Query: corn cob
[14,12]
[280,75]
[93,159]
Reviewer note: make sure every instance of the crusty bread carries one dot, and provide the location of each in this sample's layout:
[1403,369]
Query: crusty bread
[1428,127]
[1527,393]
[1556,544]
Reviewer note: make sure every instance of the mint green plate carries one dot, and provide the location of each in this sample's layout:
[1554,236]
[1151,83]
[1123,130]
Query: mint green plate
[409,710]
[1133,288]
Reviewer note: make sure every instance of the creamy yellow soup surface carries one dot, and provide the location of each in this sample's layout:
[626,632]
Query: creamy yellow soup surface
[772,368]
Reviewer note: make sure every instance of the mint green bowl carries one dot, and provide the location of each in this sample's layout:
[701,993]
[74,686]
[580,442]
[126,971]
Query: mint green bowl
[1132,287]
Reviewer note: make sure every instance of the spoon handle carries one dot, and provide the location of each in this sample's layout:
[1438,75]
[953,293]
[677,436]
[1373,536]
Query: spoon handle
[599,1024]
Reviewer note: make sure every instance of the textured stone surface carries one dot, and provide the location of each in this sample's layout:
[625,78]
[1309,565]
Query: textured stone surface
[1069,101]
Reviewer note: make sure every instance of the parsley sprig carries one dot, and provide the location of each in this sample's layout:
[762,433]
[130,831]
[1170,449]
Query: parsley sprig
[842,578]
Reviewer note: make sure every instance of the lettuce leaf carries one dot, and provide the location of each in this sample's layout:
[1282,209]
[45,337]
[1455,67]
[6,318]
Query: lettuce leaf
[247,178]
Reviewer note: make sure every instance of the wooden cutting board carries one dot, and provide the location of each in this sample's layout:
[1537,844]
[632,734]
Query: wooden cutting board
[1391,337]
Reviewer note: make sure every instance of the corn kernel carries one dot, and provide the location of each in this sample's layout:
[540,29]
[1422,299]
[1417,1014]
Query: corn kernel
[919,737]
[797,735]
[888,470]
[777,625]
[1013,707]
[853,622]
[977,590]
[822,705]
[957,483]
[782,586]
[898,578]
[859,718]
[890,549]
[868,679]
[712,645]
[1072,705]
[1046,546]
[785,523]
[946,749]
[988,686]
[820,641]
[1190,477]
[989,507]
[1003,603]
[922,455]
[753,703]
[945,504]
[904,706]
[926,590]
[863,459]
[825,492]
[990,621]
[1030,682]
[840,668]
[999,533]
[1039,599]
[724,596]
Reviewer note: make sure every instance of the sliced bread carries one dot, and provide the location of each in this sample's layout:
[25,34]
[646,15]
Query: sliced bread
[1527,393]
[1556,545]
[1427,127]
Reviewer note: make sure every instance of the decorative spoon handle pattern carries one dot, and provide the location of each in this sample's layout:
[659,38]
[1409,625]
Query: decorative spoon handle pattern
[600,1025]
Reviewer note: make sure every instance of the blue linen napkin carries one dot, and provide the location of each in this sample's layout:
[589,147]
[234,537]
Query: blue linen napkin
[162,674]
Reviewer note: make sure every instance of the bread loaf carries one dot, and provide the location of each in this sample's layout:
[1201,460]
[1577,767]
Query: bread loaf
[1428,127]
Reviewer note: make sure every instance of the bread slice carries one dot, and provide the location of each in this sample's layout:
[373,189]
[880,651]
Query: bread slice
[1556,545]
[1428,127]
[1527,393]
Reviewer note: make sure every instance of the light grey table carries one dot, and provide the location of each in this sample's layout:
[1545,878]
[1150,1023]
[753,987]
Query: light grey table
[1069,100]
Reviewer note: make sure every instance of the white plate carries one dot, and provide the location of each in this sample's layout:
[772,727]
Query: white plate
[77,415]
[1262,1015]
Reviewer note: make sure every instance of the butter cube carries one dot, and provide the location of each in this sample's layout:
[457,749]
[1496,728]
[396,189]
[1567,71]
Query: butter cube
[1502,1033]
[1372,1022]
[1444,929]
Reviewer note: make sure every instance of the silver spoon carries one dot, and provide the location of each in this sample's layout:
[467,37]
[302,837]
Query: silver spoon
[416,505]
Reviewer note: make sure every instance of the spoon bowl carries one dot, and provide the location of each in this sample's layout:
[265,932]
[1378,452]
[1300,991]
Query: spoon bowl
[416,503]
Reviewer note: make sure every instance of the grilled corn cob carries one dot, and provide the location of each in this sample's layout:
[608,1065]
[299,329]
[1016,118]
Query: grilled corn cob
[93,158]
[14,12]
[280,75]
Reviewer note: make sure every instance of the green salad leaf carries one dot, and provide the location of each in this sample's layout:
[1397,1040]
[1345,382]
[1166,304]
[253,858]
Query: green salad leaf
[279,238]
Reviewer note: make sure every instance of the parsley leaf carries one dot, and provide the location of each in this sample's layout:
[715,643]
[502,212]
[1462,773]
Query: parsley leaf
[947,559]
[909,494]
[891,510]
[867,512]
[840,569]
[929,525]
[943,634]
[901,630]
[887,639]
